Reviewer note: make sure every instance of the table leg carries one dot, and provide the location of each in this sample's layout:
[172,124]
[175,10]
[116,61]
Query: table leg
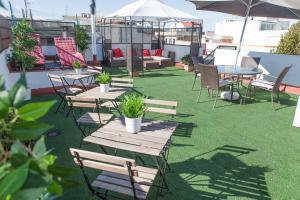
[156,160]
[116,106]
[83,85]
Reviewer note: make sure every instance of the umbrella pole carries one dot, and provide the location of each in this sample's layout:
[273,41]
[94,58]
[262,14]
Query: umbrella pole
[243,32]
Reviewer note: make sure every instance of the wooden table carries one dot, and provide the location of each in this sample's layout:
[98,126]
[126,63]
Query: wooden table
[77,77]
[112,96]
[153,140]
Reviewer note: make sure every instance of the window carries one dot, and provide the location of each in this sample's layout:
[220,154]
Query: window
[267,26]
[174,41]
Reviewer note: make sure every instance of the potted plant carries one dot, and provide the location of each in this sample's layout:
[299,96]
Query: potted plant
[133,108]
[187,62]
[104,80]
[77,67]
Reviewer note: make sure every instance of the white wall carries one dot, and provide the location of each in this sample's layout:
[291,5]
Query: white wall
[180,51]
[271,64]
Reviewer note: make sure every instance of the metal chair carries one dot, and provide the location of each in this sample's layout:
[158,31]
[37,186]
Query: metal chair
[272,86]
[61,89]
[196,61]
[210,80]
[89,119]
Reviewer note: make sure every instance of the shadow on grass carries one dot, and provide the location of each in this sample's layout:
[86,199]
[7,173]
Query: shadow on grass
[221,176]
[152,75]
[184,129]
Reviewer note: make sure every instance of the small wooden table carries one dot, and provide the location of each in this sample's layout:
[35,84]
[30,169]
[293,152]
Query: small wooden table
[78,77]
[112,96]
[153,140]
[151,64]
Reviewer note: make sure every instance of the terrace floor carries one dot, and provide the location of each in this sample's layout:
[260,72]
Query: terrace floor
[231,152]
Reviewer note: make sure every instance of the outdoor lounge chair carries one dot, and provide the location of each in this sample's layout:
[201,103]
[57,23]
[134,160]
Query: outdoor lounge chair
[66,51]
[116,60]
[196,61]
[62,89]
[37,52]
[272,86]
[118,175]
[210,80]
[89,119]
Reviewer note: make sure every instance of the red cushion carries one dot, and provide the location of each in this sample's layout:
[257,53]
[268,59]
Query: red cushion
[158,52]
[117,53]
[146,52]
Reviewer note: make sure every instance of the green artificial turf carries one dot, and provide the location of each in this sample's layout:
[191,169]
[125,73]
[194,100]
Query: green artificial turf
[231,152]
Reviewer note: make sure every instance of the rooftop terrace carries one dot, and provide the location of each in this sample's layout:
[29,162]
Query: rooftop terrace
[232,152]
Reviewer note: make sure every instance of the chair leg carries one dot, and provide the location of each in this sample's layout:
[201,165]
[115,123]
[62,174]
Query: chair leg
[215,103]
[200,92]
[272,100]
[278,99]
[59,105]
[194,83]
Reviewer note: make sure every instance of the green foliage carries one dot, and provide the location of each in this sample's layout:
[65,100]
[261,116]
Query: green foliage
[76,64]
[133,105]
[82,38]
[186,59]
[290,42]
[22,44]
[27,169]
[103,78]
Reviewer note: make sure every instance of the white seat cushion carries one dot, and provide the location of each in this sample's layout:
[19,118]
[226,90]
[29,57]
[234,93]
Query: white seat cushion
[119,58]
[93,118]
[262,84]
[160,58]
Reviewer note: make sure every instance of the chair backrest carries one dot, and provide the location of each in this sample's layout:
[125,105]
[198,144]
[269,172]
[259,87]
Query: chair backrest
[161,106]
[104,162]
[83,102]
[66,51]
[250,62]
[37,51]
[209,77]
[122,82]
[196,62]
[57,82]
[280,78]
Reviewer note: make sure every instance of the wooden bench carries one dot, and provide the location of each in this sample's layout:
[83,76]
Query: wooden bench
[121,82]
[120,175]
[158,106]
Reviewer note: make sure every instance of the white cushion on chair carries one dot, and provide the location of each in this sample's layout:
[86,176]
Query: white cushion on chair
[262,84]
[160,58]
[119,58]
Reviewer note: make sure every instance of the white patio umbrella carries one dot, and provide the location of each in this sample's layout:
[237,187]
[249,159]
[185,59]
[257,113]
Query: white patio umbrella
[260,8]
[152,10]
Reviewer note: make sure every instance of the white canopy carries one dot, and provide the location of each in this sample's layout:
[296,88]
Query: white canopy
[152,10]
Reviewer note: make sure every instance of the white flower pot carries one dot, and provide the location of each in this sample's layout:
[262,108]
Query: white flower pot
[78,71]
[104,88]
[133,125]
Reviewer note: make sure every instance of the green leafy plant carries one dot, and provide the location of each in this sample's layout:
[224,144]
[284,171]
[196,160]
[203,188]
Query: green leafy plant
[76,64]
[82,38]
[186,59]
[133,105]
[27,169]
[103,78]
[290,42]
[22,44]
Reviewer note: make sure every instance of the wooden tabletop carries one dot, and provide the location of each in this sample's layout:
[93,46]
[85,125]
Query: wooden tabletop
[151,140]
[113,93]
[74,76]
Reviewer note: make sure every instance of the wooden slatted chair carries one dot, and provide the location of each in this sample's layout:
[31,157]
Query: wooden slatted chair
[120,175]
[121,82]
[62,89]
[89,119]
[161,106]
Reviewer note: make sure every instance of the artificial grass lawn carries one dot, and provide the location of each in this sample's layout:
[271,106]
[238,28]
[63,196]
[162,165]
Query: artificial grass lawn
[231,152]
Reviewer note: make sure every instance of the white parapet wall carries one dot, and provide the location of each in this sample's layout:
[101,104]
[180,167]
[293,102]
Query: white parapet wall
[271,64]
[35,79]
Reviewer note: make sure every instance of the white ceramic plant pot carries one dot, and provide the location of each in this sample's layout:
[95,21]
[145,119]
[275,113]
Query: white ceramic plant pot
[133,125]
[104,88]
[78,71]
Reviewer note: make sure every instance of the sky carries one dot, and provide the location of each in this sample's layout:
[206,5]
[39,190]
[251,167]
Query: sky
[55,9]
